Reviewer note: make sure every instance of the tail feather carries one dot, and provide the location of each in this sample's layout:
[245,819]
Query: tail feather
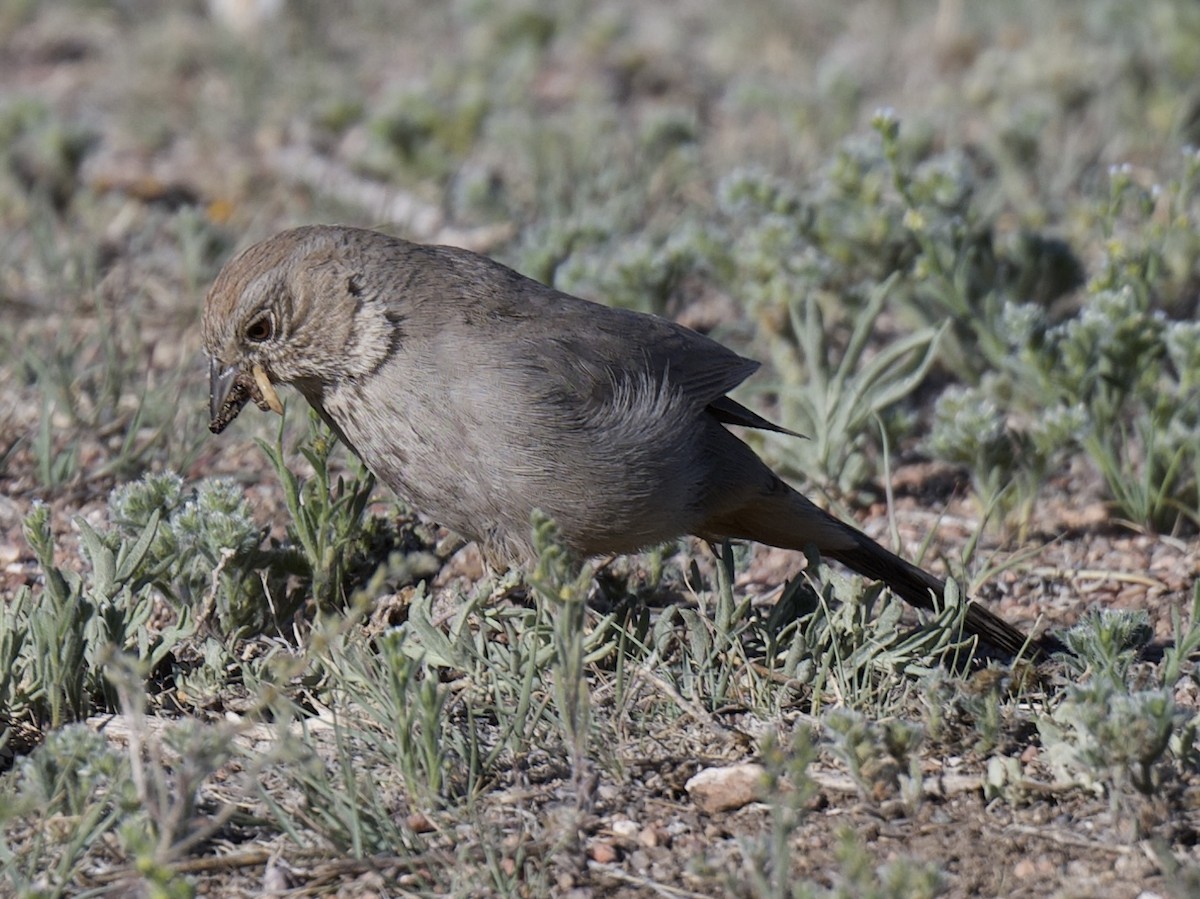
[784,518]
[925,591]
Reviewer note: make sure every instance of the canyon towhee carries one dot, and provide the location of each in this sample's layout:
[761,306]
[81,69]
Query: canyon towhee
[479,395]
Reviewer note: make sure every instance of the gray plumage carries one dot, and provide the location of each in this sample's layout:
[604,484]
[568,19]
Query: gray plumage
[479,395]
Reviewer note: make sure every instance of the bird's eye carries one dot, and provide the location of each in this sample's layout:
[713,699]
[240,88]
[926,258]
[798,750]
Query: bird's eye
[260,329]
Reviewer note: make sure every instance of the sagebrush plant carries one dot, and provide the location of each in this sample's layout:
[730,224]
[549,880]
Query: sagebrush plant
[322,785]
[768,859]
[205,554]
[871,753]
[57,645]
[524,669]
[386,702]
[75,778]
[1119,730]
[132,810]
[689,165]
[198,550]
[836,405]
[167,771]
[1110,740]
[885,206]
[564,584]
[881,756]
[1115,379]
[859,875]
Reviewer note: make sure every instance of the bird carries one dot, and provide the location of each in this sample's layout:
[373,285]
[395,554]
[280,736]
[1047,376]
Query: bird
[479,395]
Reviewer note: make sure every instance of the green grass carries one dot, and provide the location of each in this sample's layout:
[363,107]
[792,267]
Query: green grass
[952,233]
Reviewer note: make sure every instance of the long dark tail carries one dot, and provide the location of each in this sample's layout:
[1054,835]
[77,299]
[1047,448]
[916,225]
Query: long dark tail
[784,518]
[925,591]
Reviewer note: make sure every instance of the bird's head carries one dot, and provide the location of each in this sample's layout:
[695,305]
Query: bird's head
[293,309]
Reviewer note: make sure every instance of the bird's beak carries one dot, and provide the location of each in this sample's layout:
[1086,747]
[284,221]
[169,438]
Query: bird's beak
[227,393]
[230,388]
[220,385]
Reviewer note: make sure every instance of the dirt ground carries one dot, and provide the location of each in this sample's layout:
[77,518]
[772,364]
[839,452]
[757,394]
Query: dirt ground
[148,89]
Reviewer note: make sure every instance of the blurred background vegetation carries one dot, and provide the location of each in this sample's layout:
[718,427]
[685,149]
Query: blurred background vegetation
[962,237]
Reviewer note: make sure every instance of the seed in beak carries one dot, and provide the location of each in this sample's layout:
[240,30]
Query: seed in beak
[267,389]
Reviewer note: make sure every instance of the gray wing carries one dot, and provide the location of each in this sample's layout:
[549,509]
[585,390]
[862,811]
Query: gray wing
[702,369]
[579,349]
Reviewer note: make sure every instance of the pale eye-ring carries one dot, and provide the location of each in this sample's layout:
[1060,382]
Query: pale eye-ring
[260,329]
